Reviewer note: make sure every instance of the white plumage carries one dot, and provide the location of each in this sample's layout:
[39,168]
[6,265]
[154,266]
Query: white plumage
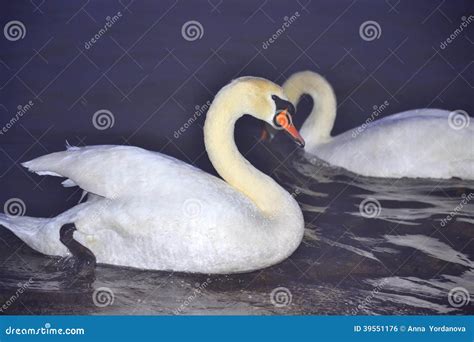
[421,143]
[152,211]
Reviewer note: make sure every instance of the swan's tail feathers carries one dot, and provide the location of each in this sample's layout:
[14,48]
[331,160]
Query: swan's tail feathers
[41,234]
[22,224]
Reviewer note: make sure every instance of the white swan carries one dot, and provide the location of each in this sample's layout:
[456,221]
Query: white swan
[416,143]
[151,211]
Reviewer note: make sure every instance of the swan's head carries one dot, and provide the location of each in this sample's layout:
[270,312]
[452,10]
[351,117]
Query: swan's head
[266,101]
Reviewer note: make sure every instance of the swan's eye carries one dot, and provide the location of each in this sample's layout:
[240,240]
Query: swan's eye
[282,120]
[281,104]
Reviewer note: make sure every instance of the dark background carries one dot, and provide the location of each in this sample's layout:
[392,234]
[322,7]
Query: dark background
[151,79]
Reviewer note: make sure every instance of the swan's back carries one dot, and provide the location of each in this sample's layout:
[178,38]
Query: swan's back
[127,172]
[417,143]
[113,171]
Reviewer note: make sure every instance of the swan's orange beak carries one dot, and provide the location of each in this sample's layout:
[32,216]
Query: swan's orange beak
[293,132]
[283,119]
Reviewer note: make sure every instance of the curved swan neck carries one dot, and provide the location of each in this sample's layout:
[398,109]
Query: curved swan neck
[317,127]
[228,106]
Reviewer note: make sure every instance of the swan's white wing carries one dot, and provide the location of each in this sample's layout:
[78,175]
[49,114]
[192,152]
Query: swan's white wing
[417,114]
[116,171]
[416,143]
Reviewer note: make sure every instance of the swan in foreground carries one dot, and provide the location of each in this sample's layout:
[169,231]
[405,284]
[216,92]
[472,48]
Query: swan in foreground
[421,143]
[151,211]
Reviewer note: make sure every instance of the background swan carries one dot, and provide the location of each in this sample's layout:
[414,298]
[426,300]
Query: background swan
[151,211]
[415,143]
